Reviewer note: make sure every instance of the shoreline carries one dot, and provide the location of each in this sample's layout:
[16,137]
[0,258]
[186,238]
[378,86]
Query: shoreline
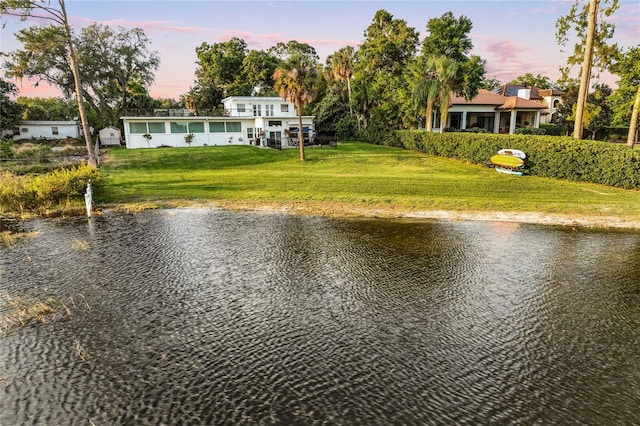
[339,210]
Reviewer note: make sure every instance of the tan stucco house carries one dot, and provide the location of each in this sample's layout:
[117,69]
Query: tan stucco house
[551,98]
[495,113]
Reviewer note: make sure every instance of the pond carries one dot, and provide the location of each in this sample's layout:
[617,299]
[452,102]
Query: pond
[204,316]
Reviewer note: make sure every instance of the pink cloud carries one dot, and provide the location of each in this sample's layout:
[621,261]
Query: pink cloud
[145,25]
[507,60]
[502,50]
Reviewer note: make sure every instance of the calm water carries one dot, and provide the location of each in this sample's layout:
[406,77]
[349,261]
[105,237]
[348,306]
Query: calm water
[212,317]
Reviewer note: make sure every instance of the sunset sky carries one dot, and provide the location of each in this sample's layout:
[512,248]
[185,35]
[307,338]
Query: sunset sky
[514,37]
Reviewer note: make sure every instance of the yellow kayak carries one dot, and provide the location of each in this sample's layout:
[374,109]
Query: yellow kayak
[506,160]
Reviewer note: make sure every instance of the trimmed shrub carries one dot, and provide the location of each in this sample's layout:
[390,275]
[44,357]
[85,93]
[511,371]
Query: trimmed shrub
[529,131]
[549,156]
[552,129]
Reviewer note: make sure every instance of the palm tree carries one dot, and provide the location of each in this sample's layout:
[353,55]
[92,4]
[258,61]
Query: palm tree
[342,67]
[425,90]
[295,81]
[444,72]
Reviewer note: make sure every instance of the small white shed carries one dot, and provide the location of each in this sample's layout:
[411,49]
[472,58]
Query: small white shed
[110,136]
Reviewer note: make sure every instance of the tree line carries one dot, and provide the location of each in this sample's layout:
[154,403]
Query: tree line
[391,81]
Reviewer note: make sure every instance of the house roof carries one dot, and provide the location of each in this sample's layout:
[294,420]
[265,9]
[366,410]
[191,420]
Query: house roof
[512,90]
[550,92]
[536,93]
[514,102]
[488,98]
[484,97]
[50,123]
[254,98]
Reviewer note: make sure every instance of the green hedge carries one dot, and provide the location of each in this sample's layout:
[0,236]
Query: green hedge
[549,156]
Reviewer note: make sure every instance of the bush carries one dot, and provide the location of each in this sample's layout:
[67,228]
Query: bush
[40,193]
[552,129]
[549,156]
[529,131]
[38,152]
[6,148]
[346,128]
[374,135]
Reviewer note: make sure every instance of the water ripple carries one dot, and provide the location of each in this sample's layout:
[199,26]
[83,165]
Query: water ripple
[212,317]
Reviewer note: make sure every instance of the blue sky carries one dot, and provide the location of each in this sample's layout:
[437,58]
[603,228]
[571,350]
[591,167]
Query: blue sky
[514,37]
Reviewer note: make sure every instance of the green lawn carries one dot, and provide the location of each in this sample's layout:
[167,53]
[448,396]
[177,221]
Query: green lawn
[356,174]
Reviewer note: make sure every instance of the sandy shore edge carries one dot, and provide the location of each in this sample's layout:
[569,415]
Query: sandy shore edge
[330,209]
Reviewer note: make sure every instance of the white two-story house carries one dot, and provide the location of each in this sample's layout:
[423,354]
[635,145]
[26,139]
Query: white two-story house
[247,120]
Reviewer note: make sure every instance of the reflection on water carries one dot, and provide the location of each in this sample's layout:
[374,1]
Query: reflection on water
[212,317]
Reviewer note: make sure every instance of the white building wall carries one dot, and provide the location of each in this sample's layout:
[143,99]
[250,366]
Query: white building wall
[109,136]
[268,107]
[273,114]
[45,130]
[162,135]
[135,139]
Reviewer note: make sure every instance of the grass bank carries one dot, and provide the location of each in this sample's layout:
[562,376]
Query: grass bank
[355,178]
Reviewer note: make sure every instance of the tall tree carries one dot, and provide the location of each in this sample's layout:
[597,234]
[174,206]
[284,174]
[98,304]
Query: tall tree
[425,89]
[591,50]
[10,111]
[342,63]
[490,83]
[528,79]
[203,99]
[257,71]
[564,115]
[220,65]
[445,73]
[118,66]
[597,112]
[115,66]
[627,98]
[378,72]
[42,9]
[449,37]
[293,48]
[295,81]
[47,108]
[331,110]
